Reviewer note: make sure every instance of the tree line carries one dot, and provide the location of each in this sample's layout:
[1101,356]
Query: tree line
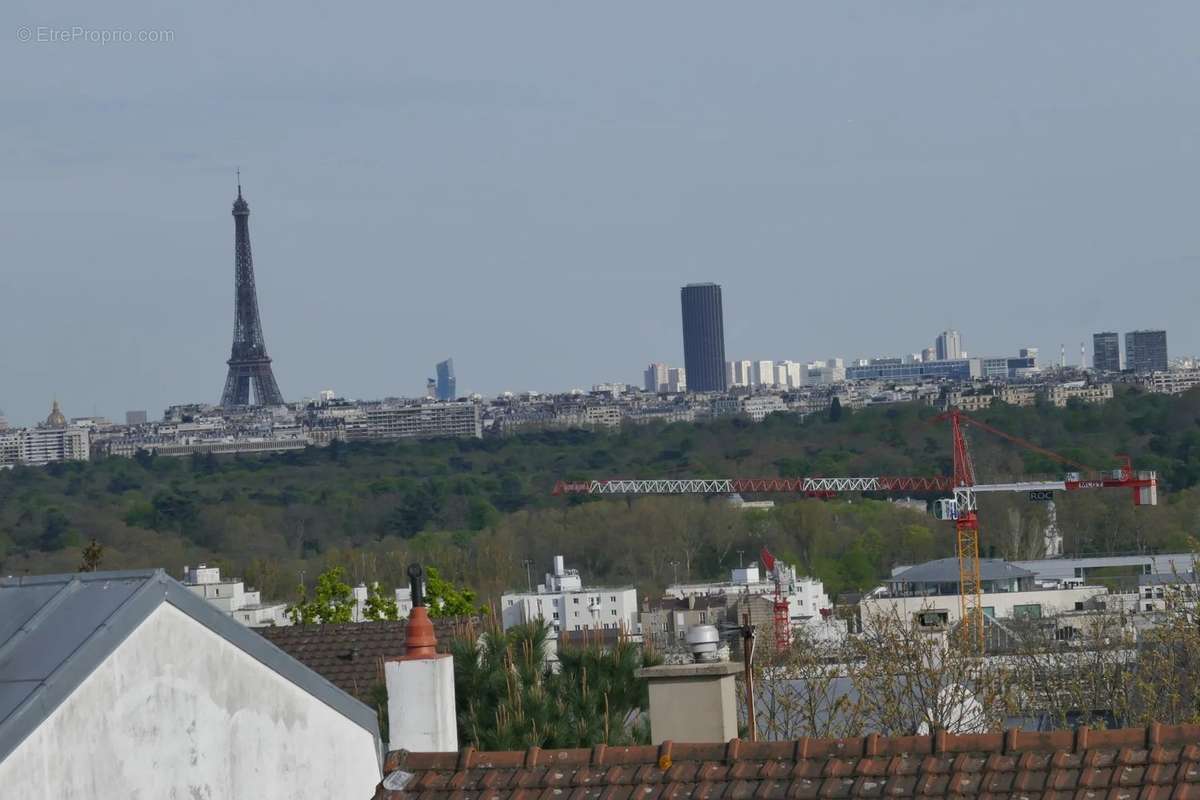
[478,509]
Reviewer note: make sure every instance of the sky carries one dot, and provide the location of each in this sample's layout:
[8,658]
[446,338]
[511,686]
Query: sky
[524,186]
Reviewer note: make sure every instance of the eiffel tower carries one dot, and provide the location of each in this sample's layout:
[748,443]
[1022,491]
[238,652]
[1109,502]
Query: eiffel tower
[248,360]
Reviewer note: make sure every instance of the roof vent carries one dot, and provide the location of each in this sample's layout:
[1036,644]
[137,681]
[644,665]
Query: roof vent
[703,641]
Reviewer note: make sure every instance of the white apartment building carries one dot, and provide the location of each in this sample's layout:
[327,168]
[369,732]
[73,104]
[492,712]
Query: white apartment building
[948,346]
[1174,381]
[825,372]
[388,421]
[232,598]
[654,379]
[676,380]
[40,446]
[790,374]
[764,373]
[739,373]
[806,596]
[566,605]
[759,406]
[1060,394]
[360,593]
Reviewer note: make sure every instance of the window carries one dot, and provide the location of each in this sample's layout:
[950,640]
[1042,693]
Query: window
[613,598]
[576,600]
[614,612]
[932,619]
[1028,611]
[556,615]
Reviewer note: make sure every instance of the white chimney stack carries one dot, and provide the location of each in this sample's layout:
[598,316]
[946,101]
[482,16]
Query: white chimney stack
[420,686]
[559,567]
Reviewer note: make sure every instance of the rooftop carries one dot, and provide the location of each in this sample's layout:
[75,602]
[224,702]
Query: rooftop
[348,654]
[55,630]
[1155,762]
[945,570]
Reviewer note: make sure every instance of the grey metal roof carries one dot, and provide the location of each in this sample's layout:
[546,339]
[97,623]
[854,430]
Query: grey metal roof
[56,629]
[945,570]
[1168,579]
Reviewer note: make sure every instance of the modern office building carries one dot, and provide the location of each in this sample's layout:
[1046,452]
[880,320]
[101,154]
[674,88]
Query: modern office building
[1146,351]
[1106,351]
[948,346]
[446,386]
[703,337]
[135,417]
[960,369]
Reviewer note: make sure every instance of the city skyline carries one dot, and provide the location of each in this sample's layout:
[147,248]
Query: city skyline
[917,188]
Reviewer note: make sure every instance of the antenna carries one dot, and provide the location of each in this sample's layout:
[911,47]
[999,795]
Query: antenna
[239,181]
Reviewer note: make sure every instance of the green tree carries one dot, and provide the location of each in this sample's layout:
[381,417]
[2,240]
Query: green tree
[333,601]
[509,697]
[835,410]
[445,600]
[380,604]
[92,554]
[54,530]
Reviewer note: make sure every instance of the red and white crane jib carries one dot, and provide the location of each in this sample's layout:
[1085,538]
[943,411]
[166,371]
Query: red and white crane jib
[808,486]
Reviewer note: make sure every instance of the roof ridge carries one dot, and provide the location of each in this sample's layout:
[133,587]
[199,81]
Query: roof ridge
[872,745]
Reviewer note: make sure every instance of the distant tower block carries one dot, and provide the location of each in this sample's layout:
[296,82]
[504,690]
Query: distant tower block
[248,361]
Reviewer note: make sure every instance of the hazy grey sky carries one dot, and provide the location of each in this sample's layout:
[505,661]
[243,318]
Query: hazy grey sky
[525,186]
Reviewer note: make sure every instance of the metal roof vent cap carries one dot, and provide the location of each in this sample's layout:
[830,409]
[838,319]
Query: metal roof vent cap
[703,641]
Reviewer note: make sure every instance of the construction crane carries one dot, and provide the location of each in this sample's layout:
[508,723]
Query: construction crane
[961,507]
[780,615]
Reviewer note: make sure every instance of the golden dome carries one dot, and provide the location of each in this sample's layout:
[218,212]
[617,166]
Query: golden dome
[56,418]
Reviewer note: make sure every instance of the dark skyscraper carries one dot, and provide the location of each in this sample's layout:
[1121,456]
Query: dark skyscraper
[703,337]
[1146,351]
[248,361]
[1106,351]
[446,385]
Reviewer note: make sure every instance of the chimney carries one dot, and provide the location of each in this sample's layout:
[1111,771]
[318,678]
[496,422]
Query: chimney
[694,702]
[420,685]
[559,568]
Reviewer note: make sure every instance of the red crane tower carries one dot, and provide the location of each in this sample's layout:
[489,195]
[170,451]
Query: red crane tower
[962,507]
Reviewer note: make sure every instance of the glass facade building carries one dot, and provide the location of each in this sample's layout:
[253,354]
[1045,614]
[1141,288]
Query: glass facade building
[1146,351]
[1106,351]
[446,386]
[703,337]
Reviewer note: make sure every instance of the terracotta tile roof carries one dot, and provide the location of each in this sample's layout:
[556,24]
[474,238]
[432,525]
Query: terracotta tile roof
[348,655]
[1147,763]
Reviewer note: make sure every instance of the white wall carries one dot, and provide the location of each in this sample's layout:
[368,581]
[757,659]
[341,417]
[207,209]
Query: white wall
[1052,601]
[577,610]
[177,711]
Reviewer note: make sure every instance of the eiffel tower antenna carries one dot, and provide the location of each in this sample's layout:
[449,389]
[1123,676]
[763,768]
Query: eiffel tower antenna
[248,360]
